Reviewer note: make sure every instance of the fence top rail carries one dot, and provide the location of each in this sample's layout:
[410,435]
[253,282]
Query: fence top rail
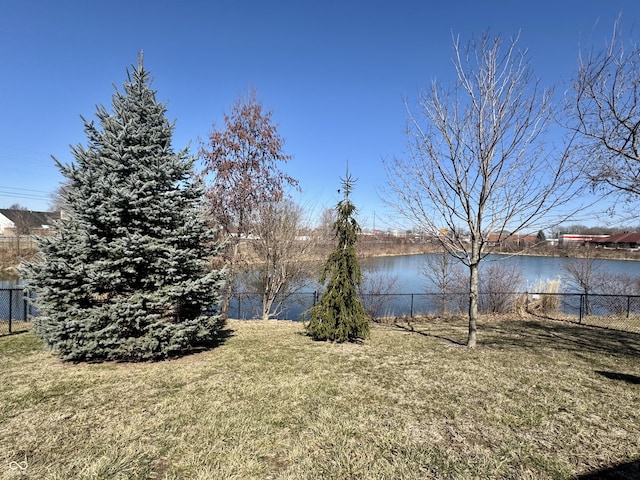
[439,294]
[625,295]
[22,289]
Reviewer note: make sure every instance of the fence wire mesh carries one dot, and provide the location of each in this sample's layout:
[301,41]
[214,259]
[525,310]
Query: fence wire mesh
[620,312]
[14,311]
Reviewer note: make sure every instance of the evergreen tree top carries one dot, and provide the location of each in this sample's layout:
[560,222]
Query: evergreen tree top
[348,183]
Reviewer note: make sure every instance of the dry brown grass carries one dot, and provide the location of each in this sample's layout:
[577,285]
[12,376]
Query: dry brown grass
[535,400]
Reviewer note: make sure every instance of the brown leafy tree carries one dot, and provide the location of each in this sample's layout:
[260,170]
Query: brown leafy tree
[242,171]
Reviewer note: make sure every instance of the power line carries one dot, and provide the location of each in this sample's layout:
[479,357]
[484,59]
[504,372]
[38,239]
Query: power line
[23,195]
[23,189]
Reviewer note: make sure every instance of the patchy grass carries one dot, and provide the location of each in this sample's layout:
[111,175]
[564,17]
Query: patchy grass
[535,400]
[17,326]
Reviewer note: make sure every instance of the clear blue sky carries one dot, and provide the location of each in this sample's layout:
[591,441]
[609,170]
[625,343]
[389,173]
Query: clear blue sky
[334,73]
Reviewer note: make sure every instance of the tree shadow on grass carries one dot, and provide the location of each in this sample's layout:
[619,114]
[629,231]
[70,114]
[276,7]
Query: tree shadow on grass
[409,328]
[220,338]
[623,377]
[622,471]
[532,334]
[556,334]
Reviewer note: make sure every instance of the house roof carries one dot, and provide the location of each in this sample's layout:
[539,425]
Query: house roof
[627,237]
[29,219]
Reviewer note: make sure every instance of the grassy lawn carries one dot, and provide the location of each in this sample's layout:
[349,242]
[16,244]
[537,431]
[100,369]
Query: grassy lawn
[534,400]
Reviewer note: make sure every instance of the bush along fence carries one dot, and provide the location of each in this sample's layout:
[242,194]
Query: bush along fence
[620,312]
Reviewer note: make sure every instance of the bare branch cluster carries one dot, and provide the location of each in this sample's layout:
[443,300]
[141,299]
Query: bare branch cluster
[605,110]
[477,162]
[281,251]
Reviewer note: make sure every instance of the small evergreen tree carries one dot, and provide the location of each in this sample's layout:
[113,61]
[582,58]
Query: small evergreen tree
[126,278]
[541,237]
[340,316]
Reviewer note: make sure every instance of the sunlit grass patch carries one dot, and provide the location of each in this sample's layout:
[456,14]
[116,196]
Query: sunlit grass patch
[530,402]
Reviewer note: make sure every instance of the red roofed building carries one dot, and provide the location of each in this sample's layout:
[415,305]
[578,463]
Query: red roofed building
[619,240]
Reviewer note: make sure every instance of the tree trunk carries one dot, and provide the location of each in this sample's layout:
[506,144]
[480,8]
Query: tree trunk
[267,302]
[230,261]
[473,294]
[473,304]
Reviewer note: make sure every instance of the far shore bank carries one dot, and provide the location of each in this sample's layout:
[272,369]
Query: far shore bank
[9,267]
[573,252]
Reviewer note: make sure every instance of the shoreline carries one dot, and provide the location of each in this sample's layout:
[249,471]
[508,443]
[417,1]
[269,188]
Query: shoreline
[9,272]
[573,253]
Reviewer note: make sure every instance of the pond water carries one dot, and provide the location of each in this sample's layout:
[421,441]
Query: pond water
[9,280]
[407,269]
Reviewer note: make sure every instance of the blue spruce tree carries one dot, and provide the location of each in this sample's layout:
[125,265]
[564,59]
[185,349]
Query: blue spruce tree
[127,276]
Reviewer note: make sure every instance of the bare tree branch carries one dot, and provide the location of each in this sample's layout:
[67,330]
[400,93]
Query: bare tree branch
[605,112]
[280,253]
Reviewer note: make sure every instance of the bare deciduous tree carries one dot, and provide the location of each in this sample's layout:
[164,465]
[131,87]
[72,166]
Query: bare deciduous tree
[242,171]
[280,250]
[499,286]
[443,273]
[476,160]
[377,291]
[21,224]
[585,274]
[56,198]
[325,228]
[605,108]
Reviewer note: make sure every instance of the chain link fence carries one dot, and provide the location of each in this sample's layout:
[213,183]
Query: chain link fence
[15,311]
[620,312]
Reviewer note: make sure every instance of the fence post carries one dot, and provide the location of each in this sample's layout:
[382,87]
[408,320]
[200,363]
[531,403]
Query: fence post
[581,308]
[628,305]
[411,316]
[24,307]
[10,308]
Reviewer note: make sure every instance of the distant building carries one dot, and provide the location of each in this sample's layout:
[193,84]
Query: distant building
[578,239]
[627,240]
[15,222]
[505,239]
